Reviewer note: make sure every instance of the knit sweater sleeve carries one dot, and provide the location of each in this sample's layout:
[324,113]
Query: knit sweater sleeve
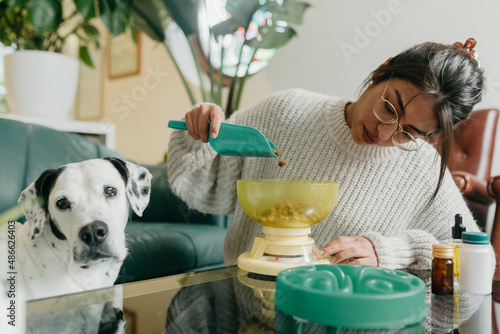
[413,247]
[203,179]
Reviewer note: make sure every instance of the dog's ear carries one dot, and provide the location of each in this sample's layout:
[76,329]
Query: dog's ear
[34,201]
[137,183]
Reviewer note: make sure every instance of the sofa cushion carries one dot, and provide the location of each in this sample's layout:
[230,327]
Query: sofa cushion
[161,194]
[65,148]
[13,161]
[157,250]
[27,150]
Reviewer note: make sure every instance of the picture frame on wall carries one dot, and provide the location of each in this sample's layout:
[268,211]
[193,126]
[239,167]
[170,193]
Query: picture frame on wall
[124,55]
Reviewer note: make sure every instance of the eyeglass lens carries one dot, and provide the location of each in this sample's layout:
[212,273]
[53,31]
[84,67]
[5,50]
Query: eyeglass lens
[404,140]
[386,113]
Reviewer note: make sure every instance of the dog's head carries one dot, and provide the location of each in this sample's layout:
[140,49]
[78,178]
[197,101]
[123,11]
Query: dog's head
[87,204]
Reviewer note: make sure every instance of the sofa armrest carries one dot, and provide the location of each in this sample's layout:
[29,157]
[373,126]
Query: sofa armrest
[472,188]
[494,191]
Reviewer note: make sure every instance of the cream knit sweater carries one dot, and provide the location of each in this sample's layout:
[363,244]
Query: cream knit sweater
[383,190]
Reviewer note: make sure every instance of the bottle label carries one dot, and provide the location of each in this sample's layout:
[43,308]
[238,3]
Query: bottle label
[456,262]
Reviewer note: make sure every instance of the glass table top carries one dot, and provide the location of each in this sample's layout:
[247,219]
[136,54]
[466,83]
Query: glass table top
[228,300]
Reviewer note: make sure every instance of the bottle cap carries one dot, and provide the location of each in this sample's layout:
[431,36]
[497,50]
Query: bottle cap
[442,251]
[459,228]
[476,238]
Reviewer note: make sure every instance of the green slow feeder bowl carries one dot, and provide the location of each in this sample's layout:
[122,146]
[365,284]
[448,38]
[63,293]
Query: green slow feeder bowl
[350,296]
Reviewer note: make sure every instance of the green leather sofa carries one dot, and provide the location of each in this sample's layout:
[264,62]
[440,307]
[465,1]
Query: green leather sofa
[168,239]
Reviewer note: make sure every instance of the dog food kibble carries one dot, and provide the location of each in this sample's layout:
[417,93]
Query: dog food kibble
[283,163]
[295,213]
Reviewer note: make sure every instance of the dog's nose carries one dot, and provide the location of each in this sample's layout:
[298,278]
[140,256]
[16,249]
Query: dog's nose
[94,234]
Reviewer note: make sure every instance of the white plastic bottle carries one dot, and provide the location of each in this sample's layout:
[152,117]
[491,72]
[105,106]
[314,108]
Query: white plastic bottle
[475,263]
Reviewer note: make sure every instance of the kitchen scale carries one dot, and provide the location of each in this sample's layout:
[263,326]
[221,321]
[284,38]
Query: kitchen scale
[286,209]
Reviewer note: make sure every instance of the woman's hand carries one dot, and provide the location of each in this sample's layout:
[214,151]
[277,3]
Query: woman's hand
[352,250]
[197,121]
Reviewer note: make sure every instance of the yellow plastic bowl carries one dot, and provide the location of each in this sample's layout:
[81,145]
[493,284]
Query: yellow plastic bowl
[287,203]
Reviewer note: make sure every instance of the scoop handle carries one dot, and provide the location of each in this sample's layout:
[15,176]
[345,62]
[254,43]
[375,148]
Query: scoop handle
[178,125]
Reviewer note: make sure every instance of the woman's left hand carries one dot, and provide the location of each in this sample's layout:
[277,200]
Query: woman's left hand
[352,250]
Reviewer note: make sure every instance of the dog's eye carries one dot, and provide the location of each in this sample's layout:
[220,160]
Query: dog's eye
[63,204]
[110,191]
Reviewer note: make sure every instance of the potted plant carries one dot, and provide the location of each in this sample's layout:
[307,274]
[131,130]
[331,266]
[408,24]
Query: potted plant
[226,43]
[40,80]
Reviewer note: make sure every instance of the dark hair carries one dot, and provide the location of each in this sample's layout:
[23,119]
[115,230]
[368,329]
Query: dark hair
[449,77]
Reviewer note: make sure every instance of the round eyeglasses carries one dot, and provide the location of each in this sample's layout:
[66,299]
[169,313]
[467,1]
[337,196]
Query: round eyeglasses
[385,112]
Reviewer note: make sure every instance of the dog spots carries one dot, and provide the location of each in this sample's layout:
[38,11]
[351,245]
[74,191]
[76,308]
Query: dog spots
[44,266]
[135,190]
[142,176]
[144,191]
[36,233]
[107,273]
[84,267]
[32,191]
[53,245]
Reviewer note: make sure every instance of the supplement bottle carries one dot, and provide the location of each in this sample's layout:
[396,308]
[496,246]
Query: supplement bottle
[442,269]
[475,263]
[456,242]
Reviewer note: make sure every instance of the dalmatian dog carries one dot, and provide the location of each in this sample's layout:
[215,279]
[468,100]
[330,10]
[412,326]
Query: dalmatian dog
[74,238]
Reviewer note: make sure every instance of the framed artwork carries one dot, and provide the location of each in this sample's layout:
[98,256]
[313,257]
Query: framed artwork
[124,55]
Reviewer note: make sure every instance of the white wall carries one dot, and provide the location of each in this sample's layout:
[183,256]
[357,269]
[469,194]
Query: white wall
[314,60]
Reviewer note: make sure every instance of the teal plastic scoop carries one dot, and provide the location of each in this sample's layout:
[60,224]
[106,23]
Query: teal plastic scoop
[237,140]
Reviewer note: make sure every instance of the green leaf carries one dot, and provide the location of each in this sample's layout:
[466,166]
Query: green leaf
[147,19]
[272,37]
[16,3]
[84,55]
[86,8]
[291,11]
[225,28]
[90,30]
[92,33]
[184,13]
[115,14]
[241,13]
[45,15]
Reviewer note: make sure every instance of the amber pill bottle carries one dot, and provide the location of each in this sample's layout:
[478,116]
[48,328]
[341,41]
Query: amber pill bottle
[442,269]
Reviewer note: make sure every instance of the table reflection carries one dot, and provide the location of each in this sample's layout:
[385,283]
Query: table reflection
[245,304]
[229,300]
[88,313]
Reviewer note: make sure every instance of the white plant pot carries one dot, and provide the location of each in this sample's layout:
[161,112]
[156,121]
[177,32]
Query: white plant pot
[41,83]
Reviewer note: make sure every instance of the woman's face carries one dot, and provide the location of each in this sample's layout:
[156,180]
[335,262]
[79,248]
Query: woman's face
[416,114]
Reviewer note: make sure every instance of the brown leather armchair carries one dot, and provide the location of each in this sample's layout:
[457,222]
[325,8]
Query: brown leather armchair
[494,191]
[471,159]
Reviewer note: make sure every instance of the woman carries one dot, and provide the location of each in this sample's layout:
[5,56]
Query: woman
[396,196]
